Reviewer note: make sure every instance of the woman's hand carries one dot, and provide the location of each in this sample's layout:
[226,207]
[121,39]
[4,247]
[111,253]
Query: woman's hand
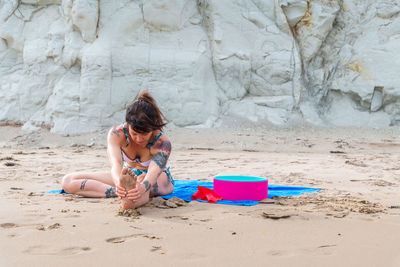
[121,192]
[136,193]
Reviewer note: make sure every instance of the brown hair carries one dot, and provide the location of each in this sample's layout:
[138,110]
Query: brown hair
[143,115]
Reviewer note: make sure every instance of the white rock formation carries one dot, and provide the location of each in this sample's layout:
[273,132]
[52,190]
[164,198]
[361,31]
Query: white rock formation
[74,65]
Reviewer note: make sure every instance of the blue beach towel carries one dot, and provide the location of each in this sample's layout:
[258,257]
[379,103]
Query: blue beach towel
[184,189]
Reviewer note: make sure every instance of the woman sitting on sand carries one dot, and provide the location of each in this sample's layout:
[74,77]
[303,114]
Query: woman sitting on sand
[138,152]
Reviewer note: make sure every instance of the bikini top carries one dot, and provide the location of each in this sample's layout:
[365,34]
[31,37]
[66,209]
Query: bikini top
[127,159]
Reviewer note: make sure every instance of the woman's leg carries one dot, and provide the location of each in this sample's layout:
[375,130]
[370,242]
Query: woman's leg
[101,184]
[96,184]
[163,186]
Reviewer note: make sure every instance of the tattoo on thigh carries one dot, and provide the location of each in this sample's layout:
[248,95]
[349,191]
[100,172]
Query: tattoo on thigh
[155,188]
[83,184]
[110,192]
[161,159]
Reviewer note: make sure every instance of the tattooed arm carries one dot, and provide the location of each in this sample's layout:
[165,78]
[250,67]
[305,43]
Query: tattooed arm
[160,151]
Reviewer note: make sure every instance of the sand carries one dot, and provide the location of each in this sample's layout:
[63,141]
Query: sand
[353,221]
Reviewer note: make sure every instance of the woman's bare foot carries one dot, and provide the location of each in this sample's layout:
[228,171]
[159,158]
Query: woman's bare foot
[128,181]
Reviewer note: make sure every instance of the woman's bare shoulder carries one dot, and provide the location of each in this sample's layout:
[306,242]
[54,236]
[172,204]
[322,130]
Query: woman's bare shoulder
[116,133]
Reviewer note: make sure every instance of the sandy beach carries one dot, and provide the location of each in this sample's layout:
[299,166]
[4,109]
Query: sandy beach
[353,221]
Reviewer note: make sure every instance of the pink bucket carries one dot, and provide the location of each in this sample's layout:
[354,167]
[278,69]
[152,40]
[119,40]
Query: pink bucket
[241,187]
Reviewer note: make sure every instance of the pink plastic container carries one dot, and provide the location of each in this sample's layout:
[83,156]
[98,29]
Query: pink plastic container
[241,187]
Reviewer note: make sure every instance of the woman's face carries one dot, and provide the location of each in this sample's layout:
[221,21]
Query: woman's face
[141,139]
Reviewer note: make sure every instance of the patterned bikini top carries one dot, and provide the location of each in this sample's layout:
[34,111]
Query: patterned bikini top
[127,159]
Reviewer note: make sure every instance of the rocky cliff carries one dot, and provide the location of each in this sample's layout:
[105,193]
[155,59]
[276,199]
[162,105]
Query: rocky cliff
[74,65]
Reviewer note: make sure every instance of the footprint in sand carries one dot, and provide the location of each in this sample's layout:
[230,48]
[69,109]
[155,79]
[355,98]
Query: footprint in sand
[121,239]
[117,240]
[54,226]
[276,216]
[7,158]
[10,164]
[8,225]
[73,250]
[41,227]
[41,250]
[16,188]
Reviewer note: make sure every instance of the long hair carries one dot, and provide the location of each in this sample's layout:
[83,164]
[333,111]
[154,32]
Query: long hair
[143,115]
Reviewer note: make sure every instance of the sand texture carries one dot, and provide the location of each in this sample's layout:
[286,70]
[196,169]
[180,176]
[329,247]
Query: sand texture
[353,221]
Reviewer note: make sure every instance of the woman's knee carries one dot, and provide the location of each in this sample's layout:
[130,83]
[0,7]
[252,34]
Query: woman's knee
[169,189]
[67,182]
[162,188]
[166,187]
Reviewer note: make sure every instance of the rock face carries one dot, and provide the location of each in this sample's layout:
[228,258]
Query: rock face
[74,65]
